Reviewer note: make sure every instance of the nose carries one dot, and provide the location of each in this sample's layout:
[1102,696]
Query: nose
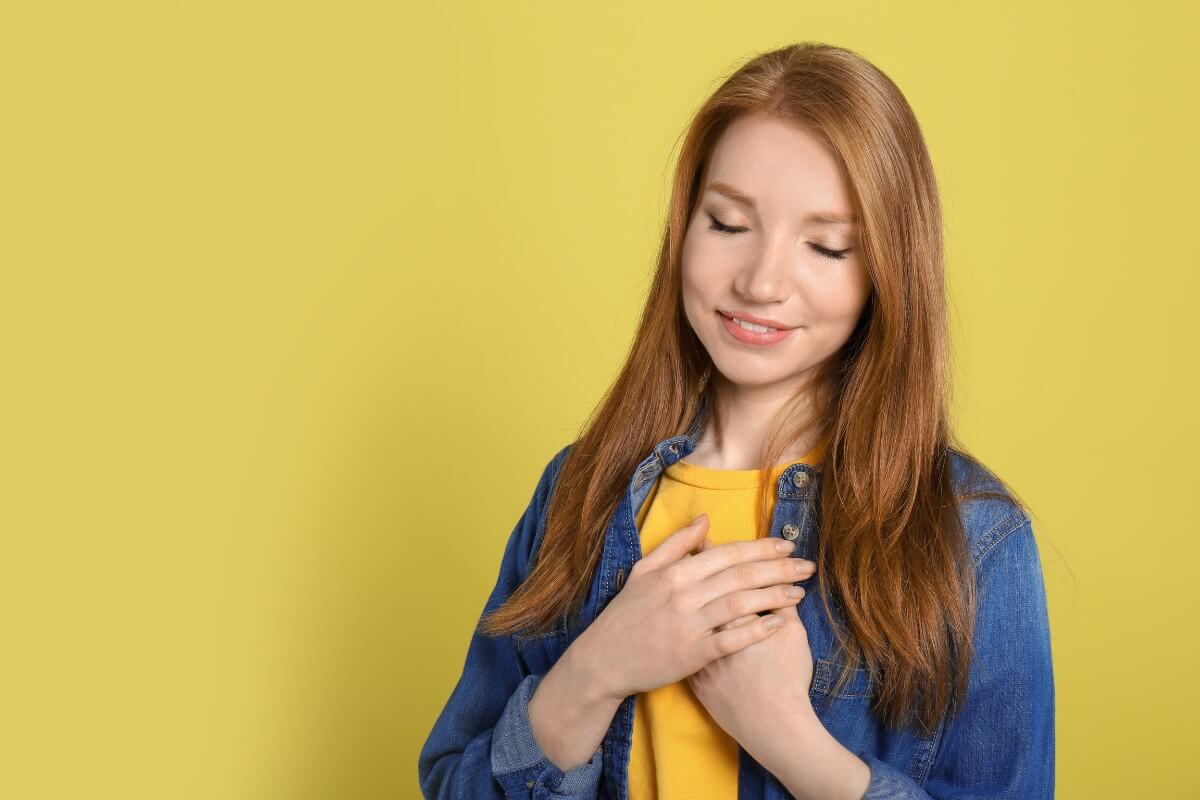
[764,279]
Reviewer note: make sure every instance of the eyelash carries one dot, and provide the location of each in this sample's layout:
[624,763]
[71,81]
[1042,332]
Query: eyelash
[720,227]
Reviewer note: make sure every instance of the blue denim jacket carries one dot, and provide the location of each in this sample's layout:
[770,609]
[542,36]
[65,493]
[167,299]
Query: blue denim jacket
[1000,745]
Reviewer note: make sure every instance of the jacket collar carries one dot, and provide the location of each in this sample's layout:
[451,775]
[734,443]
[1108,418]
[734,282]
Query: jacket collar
[676,447]
[799,481]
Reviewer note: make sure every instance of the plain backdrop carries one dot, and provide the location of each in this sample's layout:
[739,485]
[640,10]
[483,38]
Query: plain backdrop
[297,299]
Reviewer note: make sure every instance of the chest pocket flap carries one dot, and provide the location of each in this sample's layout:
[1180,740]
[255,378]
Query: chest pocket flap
[825,675]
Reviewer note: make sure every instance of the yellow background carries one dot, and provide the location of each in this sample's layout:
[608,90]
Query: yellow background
[298,298]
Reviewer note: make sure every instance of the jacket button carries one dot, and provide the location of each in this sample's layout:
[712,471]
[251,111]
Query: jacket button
[800,479]
[790,532]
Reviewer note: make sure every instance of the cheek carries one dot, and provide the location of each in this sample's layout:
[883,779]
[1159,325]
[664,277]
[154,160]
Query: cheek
[707,267]
[692,259]
[696,305]
[861,286]
[700,277]
[840,301]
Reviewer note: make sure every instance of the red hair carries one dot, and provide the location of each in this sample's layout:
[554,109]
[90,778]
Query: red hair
[892,546]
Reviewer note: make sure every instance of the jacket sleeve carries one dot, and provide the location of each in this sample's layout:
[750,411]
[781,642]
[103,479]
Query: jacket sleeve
[518,761]
[1001,744]
[481,745]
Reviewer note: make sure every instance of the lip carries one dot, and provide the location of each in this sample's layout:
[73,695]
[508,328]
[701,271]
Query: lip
[753,337]
[770,323]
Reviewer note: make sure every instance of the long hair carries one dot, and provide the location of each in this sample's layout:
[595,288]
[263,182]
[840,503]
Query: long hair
[892,549]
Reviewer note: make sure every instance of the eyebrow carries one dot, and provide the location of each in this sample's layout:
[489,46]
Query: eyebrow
[820,217]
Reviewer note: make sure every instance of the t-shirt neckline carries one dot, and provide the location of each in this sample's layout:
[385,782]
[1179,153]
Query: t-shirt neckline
[710,478]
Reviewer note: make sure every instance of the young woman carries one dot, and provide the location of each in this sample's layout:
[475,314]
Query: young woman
[781,422]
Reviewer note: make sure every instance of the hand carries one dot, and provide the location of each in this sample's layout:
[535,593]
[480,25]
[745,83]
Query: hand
[747,691]
[666,623]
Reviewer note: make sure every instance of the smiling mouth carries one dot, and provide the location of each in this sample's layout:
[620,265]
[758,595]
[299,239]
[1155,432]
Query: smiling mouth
[752,334]
[754,327]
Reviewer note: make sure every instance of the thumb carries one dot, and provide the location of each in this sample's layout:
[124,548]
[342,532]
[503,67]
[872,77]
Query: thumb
[679,544]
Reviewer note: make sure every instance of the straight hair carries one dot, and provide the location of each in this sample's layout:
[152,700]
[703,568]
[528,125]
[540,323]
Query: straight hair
[892,549]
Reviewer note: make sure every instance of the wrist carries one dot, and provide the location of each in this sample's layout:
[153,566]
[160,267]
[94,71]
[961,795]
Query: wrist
[829,771]
[569,712]
[797,728]
[593,683]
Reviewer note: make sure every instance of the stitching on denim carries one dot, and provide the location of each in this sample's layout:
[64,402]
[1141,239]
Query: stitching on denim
[998,533]
[650,466]
[926,748]
[560,629]
[824,675]
[785,489]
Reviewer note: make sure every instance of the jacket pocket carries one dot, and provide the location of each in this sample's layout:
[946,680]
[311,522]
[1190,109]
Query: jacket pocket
[540,651]
[522,640]
[825,675]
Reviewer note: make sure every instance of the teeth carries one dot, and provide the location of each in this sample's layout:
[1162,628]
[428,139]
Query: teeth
[750,326]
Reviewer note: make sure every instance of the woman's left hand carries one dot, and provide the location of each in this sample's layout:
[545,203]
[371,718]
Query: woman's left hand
[750,691]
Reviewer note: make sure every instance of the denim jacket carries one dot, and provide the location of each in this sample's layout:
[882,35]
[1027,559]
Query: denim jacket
[999,745]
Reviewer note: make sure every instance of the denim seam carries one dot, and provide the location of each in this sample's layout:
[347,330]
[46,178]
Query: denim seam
[998,533]
[926,751]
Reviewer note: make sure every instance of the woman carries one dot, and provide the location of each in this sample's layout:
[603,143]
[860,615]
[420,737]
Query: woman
[797,319]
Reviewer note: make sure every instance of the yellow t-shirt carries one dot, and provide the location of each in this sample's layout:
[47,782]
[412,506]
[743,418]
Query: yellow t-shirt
[677,748]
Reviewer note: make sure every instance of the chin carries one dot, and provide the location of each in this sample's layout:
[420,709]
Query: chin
[744,374]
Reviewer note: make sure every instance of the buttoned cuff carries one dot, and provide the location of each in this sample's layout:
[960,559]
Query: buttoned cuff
[521,767]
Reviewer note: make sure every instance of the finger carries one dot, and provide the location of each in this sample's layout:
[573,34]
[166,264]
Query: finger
[705,545]
[752,575]
[742,620]
[677,545]
[719,557]
[722,643]
[788,612]
[734,605]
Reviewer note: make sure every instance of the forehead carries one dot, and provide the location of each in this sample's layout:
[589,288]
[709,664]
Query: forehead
[771,164]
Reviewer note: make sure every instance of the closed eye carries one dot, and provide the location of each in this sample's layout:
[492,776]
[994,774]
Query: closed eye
[722,228]
[825,251]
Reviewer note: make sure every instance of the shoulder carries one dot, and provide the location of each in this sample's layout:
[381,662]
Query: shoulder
[553,468]
[534,520]
[549,476]
[989,511]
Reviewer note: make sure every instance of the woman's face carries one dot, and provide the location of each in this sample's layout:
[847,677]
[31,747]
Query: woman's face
[779,262]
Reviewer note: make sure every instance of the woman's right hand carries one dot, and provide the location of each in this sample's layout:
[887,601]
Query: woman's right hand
[665,623]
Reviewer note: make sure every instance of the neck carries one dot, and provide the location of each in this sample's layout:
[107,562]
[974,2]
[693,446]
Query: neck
[739,420]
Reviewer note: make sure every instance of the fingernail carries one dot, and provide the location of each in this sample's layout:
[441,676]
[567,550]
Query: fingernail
[772,622]
[785,546]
